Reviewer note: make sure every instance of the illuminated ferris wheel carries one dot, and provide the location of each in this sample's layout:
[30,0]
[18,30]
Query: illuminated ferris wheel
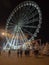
[24,22]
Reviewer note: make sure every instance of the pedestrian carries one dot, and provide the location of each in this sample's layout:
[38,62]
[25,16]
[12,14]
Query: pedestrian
[36,49]
[17,52]
[21,51]
[27,51]
[9,52]
[0,50]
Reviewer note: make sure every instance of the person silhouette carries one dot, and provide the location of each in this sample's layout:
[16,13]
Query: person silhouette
[9,52]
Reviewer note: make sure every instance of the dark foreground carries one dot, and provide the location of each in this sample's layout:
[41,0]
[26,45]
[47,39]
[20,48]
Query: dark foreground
[31,60]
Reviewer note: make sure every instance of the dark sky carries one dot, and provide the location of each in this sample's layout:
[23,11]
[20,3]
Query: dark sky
[6,7]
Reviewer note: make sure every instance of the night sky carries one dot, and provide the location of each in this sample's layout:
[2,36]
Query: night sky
[6,7]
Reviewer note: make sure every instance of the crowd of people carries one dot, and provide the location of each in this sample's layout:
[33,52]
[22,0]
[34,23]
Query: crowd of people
[36,49]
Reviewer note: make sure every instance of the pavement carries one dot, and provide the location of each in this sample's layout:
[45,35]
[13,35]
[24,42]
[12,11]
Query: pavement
[31,60]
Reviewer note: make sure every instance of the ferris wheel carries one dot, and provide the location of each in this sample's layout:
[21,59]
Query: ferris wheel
[24,21]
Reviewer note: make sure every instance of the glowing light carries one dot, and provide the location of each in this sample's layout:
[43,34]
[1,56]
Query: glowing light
[3,33]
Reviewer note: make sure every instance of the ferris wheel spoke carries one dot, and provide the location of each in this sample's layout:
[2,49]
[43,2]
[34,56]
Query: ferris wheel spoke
[11,23]
[24,35]
[24,15]
[14,20]
[36,13]
[31,21]
[25,21]
[33,14]
[28,10]
[28,32]
[32,10]
[34,19]
[10,26]
[23,12]
[11,29]
[29,26]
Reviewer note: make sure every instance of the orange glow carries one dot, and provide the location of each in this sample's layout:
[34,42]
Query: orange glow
[3,33]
